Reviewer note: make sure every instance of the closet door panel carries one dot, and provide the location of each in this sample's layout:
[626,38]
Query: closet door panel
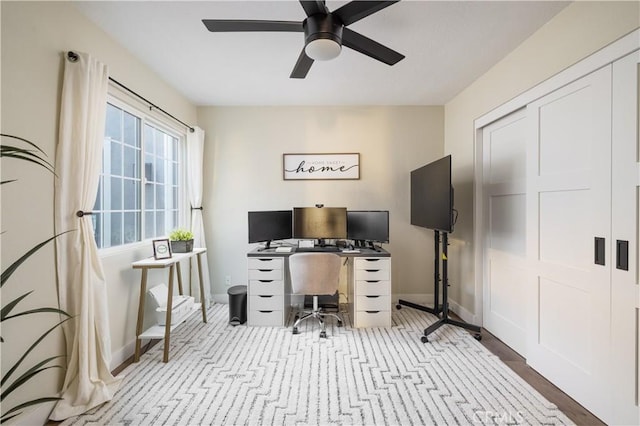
[568,205]
[504,169]
[625,227]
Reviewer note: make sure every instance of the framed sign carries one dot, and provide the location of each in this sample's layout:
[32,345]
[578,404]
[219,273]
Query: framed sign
[320,166]
[161,249]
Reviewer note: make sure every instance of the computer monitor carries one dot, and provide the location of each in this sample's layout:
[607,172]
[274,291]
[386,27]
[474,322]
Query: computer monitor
[320,222]
[267,226]
[368,225]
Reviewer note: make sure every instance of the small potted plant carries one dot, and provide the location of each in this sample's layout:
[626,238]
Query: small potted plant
[181,240]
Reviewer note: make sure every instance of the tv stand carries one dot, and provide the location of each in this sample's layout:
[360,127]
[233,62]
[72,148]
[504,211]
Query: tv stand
[444,307]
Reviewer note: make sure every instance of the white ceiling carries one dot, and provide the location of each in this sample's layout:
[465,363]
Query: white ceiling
[447,44]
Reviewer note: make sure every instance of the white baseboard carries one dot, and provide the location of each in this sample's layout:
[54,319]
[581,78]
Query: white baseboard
[120,356]
[464,314]
[427,300]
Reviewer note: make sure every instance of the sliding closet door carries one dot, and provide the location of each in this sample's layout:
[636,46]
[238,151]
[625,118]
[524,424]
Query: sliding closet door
[624,242]
[504,184]
[568,235]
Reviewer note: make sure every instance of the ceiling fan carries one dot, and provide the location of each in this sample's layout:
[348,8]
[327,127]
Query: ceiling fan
[325,32]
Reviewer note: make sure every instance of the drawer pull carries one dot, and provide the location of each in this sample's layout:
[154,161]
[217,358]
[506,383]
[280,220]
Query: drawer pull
[265,281]
[372,297]
[372,270]
[372,281]
[372,312]
[372,260]
[265,270]
[265,260]
[260,295]
[265,312]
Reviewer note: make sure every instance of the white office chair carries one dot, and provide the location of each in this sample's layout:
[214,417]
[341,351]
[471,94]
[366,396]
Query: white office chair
[315,274]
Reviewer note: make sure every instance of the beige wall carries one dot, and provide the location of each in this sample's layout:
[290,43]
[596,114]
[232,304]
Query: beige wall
[243,172]
[34,37]
[577,31]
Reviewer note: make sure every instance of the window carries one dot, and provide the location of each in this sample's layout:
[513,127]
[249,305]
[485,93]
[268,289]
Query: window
[139,191]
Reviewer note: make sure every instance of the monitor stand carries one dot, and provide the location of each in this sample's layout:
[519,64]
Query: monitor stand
[267,246]
[444,308]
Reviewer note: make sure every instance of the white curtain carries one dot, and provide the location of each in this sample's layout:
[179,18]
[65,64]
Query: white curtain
[195,158]
[81,283]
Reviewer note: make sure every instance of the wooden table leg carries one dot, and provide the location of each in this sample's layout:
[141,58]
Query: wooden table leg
[179,272]
[203,299]
[167,324]
[143,291]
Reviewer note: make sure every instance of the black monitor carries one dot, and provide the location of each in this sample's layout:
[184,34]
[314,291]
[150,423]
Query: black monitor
[368,225]
[267,226]
[320,222]
[432,196]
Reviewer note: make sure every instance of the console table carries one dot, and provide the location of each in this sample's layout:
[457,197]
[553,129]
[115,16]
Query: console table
[158,331]
[368,287]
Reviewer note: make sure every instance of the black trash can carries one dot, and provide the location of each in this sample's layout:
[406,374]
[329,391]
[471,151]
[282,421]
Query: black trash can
[237,304]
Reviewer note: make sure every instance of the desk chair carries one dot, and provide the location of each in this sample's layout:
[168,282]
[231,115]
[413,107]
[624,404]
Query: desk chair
[315,274]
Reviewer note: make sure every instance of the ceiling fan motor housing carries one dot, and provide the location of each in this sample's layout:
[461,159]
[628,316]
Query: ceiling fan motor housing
[322,27]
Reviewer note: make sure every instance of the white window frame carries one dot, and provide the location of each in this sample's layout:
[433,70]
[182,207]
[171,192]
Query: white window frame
[153,118]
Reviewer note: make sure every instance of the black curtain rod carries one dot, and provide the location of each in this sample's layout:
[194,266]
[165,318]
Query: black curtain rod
[72,56]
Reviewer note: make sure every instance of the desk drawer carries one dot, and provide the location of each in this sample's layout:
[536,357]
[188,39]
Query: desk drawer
[373,319]
[265,274]
[266,303]
[265,318]
[373,288]
[373,303]
[265,263]
[266,287]
[372,263]
[372,274]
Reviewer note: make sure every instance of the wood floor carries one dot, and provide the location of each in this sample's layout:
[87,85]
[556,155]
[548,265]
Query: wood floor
[573,410]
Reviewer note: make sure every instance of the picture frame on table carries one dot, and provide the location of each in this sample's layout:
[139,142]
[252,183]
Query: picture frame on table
[161,249]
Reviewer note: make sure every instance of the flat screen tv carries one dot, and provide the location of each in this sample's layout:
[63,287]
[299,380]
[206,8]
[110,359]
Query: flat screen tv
[368,225]
[432,196]
[267,226]
[320,222]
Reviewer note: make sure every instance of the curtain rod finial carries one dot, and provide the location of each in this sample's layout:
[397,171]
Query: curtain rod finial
[72,56]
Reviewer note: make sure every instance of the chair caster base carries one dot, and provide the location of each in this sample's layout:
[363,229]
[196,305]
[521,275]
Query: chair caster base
[339,323]
[295,330]
[424,339]
[323,334]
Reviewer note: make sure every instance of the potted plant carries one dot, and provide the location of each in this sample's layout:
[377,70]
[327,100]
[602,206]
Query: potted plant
[181,240]
[15,376]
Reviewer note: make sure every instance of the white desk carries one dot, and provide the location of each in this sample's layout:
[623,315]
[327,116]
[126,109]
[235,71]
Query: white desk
[158,332]
[368,287]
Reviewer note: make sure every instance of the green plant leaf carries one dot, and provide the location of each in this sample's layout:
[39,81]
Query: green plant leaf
[6,416]
[9,306]
[8,374]
[38,311]
[29,374]
[12,268]
[27,155]
[4,135]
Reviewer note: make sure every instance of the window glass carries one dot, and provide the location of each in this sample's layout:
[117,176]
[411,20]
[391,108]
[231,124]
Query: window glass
[120,215]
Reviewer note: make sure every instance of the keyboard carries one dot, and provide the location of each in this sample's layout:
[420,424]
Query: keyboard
[331,249]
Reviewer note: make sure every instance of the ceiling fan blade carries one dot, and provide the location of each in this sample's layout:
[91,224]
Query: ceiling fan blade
[356,10]
[302,66]
[314,7]
[237,25]
[369,47]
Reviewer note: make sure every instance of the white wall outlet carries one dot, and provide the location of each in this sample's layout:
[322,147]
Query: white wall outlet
[227,280]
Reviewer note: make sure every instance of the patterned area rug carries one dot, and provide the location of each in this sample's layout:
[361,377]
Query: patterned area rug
[224,375]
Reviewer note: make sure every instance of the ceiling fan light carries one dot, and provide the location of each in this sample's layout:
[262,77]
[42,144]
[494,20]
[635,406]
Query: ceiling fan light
[322,49]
